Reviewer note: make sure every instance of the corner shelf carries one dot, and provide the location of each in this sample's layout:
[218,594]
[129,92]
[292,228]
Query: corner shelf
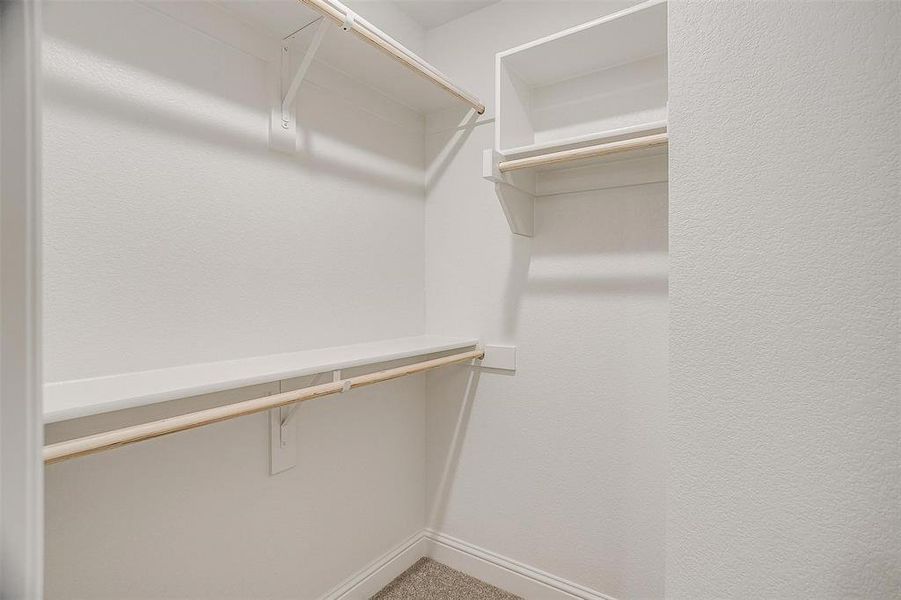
[588,95]
[604,75]
[84,397]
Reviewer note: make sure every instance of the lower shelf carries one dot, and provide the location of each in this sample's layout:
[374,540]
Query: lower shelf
[612,163]
[595,151]
[84,397]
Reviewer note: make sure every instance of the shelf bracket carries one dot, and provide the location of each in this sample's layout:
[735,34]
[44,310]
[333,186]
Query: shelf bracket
[297,79]
[282,440]
[283,434]
[283,130]
[515,193]
[290,410]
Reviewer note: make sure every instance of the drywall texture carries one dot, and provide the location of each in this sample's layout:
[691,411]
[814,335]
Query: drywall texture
[560,466]
[784,345]
[174,235]
[197,515]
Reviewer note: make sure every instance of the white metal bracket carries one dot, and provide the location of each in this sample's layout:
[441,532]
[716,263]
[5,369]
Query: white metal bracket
[283,433]
[282,441]
[300,73]
[283,121]
[289,411]
[515,192]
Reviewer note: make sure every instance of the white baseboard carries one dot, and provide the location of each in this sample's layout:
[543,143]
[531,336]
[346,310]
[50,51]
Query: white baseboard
[497,570]
[503,572]
[366,582]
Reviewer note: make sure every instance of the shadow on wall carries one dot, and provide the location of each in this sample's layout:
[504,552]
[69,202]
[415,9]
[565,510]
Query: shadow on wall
[346,119]
[218,133]
[196,87]
[188,59]
[454,140]
[459,389]
[604,242]
[611,242]
[517,283]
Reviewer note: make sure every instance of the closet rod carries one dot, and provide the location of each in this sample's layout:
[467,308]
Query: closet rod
[369,32]
[145,431]
[648,141]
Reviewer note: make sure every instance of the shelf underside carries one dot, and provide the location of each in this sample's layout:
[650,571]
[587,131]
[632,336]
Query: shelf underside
[344,52]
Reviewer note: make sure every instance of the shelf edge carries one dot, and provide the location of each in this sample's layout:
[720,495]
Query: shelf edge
[180,391]
[575,141]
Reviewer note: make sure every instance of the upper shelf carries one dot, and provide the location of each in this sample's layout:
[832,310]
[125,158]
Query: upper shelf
[617,39]
[361,51]
[597,80]
[83,397]
[592,96]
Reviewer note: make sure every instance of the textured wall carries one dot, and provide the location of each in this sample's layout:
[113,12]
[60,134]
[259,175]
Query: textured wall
[784,347]
[561,466]
[197,515]
[174,235]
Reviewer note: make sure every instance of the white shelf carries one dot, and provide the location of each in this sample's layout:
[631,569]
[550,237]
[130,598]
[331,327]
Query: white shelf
[581,141]
[346,53]
[592,96]
[613,40]
[584,83]
[83,397]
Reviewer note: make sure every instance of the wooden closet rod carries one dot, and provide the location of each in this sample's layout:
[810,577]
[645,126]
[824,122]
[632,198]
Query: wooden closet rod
[648,141]
[145,431]
[366,30]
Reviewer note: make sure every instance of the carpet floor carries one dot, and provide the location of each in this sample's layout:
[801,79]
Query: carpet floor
[430,580]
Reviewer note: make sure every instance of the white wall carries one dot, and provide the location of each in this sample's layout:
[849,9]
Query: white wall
[197,515]
[783,474]
[174,235]
[784,345]
[392,20]
[562,466]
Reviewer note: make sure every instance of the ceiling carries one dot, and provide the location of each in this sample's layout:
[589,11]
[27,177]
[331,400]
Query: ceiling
[432,13]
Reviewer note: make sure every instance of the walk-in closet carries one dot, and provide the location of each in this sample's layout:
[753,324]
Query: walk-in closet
[450,299]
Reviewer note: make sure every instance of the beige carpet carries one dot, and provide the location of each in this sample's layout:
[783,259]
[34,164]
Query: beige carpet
[430,580]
